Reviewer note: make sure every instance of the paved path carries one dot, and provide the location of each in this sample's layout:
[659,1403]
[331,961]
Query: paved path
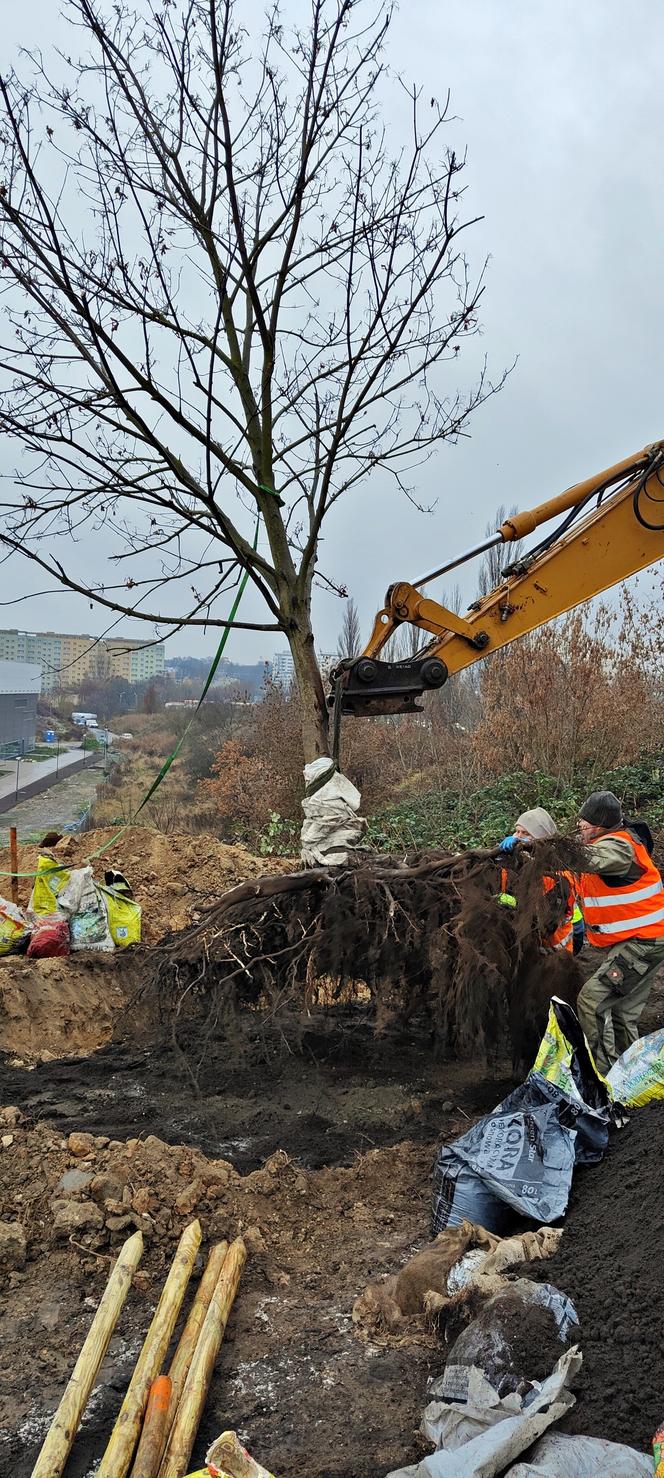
[31,770]
[53,809]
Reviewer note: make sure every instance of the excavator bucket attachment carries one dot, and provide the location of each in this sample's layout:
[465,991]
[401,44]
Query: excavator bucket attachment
[366,687]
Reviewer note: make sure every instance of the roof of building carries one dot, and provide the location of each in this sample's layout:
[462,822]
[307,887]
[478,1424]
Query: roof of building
[20,677]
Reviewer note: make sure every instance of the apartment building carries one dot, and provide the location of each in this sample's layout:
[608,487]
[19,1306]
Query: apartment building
[283,671]
[133,660]
[67,659]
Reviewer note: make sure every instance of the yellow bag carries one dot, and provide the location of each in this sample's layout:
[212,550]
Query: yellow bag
[13,926]
[565,1059]
[49,882]
[124,918]
[637,1077]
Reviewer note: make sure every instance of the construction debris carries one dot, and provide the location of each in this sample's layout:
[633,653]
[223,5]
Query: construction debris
[461,1263]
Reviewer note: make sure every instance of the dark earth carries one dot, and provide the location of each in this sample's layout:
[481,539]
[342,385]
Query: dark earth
[359,1117]
[610,1263]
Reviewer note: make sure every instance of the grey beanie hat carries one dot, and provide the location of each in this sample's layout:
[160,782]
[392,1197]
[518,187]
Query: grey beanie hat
[602,808]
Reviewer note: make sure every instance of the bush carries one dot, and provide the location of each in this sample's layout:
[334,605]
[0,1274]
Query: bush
[442,818]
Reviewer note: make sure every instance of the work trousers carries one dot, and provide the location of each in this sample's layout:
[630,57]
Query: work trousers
[618,983]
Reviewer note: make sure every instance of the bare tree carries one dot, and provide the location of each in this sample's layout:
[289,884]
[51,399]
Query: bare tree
[230,294]
[494,560]
[350,636]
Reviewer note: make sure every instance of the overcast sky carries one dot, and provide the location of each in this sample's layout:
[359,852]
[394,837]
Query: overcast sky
[561,109]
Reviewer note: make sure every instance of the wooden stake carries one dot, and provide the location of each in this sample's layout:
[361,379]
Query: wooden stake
[63,1428]
[120,1450]
[151,1445]
[194,1393]
[13,862]
[191,1332]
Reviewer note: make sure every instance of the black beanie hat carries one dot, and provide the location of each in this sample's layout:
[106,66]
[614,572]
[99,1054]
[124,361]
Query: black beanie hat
[602,808]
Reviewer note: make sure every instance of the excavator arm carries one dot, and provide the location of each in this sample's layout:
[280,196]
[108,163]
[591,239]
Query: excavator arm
[613,526]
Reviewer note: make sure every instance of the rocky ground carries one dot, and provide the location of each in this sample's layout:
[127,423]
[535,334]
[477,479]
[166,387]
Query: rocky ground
[295,1377]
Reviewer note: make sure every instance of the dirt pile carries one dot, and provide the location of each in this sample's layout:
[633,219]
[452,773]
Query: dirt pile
[172,875]
[53,1008]
[293,1375]
[610,1264]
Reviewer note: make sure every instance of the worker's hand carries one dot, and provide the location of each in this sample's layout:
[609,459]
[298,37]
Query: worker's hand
[508,844]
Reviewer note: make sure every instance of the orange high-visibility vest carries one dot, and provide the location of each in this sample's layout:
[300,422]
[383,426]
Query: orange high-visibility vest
[633,910]
[563,936]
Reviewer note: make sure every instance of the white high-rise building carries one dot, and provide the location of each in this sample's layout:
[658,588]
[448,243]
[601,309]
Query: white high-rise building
[283,671]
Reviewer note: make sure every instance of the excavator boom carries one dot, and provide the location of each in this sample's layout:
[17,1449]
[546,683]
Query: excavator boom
[613,527]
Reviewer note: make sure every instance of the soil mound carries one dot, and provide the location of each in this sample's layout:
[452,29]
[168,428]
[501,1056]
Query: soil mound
[610,1264]
[57,1008]
[172,875]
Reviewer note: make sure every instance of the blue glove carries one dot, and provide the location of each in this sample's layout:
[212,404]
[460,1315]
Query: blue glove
[508,844]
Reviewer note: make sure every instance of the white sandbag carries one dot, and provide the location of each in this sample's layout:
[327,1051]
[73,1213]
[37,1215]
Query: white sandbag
[559,1456]
[504,1428]
[79,893]
[331,827]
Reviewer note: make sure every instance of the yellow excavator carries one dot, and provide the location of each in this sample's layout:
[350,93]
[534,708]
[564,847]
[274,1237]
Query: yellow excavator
[613,526]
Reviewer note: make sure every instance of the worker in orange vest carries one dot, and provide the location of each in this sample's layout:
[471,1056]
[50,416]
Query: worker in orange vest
[622,897]
[538,825]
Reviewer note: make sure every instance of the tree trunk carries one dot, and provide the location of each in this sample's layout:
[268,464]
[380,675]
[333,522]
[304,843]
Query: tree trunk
[313,710]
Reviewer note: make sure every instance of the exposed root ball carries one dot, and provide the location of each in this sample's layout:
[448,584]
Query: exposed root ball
[427,936]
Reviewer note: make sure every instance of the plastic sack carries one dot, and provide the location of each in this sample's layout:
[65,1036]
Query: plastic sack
[82,900]
[124,918]
[50,881]
[89,930]
[14,928]
[564,1058]
[331,826]
[638,1076]
[50,937]
[557,1456]
[482,1438]
[519,1158]
[227,1452]
[494,1343]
